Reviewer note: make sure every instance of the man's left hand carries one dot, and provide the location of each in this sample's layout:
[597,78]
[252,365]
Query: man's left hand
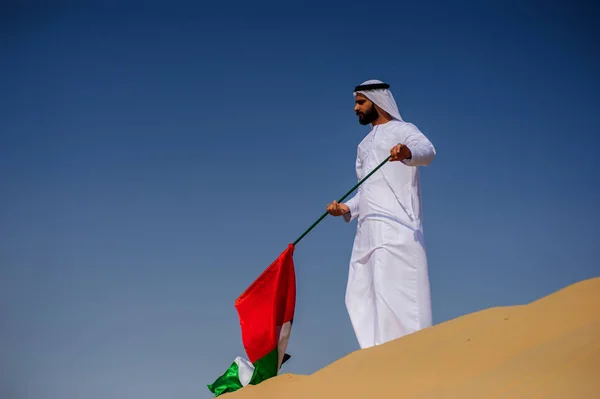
[400,152]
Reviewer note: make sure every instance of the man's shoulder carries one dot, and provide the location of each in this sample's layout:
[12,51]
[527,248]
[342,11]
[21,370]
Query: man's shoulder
[396,127]
[400,125]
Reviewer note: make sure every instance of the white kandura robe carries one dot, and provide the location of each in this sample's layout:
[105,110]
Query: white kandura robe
[388,293]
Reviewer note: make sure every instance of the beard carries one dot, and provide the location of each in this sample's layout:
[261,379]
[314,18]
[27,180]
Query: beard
[368,117]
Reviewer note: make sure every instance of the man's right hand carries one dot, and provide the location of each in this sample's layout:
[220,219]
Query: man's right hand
[337,209]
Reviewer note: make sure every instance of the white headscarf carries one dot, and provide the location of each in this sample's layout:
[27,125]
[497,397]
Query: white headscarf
[382,97]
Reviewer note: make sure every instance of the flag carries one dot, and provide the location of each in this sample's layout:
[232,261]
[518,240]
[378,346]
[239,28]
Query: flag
[266,312]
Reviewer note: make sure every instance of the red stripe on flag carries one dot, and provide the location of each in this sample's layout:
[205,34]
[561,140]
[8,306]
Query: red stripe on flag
[266,304]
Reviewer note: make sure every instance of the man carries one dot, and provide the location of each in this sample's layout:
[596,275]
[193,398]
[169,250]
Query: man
[387,294]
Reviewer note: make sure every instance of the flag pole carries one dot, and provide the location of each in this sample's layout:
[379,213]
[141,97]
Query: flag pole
[341,199]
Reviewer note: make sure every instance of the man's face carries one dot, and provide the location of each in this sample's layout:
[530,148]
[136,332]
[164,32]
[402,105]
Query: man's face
[365,110]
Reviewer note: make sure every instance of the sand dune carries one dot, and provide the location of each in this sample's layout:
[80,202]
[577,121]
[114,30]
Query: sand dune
[549,348]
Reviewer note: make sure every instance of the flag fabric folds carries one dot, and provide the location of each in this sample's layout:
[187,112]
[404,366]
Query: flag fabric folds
[266,313]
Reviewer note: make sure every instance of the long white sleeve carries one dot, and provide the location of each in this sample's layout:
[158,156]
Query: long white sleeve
[352,203]
[421,148]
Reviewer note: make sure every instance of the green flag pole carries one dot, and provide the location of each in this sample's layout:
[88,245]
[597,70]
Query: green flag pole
[341,199]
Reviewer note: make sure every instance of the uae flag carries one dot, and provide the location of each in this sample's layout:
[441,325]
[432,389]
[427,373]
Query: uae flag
[266,312]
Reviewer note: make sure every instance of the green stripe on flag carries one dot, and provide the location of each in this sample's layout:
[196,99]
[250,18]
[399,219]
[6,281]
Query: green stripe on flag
[264,368]
[228,382]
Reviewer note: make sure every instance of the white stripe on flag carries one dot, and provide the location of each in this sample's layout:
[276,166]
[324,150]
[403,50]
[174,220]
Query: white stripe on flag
[245,370]
[284,337]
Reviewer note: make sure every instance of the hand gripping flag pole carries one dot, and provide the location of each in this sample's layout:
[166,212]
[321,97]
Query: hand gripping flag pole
[266,312]
[341,199]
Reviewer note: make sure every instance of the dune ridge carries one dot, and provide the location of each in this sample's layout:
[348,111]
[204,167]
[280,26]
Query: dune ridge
[549,348]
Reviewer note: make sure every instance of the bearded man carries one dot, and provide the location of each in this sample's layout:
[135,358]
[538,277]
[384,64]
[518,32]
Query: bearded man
[388,291]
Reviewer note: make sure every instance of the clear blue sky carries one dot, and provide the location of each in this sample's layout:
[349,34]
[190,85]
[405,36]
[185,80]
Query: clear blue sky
[155,159]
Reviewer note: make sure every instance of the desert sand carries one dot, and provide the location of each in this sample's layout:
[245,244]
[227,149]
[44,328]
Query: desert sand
[549,348]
